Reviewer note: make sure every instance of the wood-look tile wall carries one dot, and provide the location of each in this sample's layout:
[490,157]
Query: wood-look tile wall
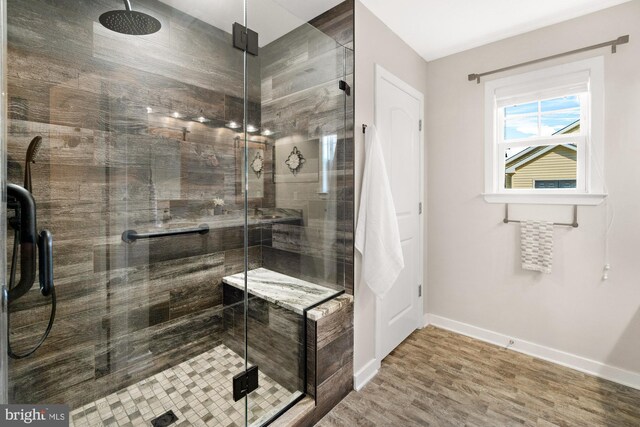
[107,164]
[301,102]
[275,337]
[329,366]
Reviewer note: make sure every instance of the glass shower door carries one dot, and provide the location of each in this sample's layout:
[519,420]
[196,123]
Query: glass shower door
[129,128]
[295,160]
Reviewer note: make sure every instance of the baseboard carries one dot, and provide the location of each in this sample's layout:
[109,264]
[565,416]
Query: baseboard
[582,364]
[365,374]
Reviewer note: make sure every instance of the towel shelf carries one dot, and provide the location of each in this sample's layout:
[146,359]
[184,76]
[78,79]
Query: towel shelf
[574,224]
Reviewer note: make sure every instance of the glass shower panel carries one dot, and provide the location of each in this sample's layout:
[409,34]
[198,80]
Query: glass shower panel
[295,160]
[303,133]
[132,143]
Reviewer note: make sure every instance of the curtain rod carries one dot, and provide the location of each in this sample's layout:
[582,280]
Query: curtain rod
[613,43]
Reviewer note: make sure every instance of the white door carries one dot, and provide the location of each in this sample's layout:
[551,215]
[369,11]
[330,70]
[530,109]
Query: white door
[398,109]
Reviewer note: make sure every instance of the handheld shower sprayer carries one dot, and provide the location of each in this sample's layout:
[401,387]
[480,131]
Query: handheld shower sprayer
[26,238]
[32,153]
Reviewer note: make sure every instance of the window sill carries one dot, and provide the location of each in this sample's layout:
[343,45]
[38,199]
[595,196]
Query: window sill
[546,199]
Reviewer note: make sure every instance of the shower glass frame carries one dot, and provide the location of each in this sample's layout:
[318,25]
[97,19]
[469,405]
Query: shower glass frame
[4,335]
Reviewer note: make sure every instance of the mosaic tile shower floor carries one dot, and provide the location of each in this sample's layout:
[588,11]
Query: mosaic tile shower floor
[198,391]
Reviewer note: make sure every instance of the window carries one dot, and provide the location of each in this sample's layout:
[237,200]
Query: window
[544,135]
[327,155]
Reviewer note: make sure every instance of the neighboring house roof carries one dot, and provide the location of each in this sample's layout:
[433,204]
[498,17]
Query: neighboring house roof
[533,153]
[573,127]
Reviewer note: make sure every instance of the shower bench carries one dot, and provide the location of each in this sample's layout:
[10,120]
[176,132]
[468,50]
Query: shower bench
[293,322]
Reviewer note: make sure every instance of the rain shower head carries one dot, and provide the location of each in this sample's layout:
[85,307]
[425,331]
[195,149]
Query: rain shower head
[130,22]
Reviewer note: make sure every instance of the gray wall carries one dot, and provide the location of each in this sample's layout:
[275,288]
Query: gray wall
[375,44]
[474,274]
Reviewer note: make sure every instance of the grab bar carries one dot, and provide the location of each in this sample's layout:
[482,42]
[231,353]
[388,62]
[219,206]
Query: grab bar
[131,236]
[574,224]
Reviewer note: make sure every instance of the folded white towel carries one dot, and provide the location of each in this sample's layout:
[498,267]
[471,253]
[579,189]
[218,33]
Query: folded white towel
[377,235]
[536,243]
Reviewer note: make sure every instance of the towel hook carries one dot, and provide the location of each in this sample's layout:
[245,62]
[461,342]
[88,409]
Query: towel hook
[364,128]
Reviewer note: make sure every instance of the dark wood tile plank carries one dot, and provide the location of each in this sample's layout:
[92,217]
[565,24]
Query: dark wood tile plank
[334,326]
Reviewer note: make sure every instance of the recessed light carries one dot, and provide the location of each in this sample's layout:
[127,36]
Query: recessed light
[176,115]
[252,128]
[267,132]
[149,110]
[201,119]
[232,125]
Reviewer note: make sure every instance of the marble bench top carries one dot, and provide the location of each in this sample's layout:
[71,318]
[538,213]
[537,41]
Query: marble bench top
[280,289]
[329,307]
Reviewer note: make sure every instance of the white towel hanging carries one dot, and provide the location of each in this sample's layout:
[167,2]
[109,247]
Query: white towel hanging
[377,235]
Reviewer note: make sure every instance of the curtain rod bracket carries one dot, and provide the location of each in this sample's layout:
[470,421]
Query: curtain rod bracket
[619,40]
[473,77]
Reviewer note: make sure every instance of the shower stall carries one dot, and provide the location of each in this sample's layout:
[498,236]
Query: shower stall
[177,184]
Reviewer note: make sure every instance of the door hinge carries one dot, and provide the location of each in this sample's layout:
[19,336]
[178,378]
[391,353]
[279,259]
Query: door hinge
[420,208]
[420,125]
[344,86]
[419,290]
[244,383]
[245,39]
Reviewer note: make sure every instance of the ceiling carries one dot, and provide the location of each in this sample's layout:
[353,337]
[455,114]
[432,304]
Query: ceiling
[437,28]
[270,18]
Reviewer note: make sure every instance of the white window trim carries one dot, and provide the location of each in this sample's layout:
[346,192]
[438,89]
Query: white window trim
[592,178]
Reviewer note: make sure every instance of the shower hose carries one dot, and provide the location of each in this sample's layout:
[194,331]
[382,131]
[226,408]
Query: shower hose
[12,281]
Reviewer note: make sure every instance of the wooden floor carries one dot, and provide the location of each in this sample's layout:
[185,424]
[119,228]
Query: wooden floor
[438,378]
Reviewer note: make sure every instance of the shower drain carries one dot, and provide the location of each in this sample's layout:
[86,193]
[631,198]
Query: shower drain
[164,420]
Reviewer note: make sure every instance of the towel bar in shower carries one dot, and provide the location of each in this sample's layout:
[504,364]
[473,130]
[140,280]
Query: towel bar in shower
[131,236]
[574,224]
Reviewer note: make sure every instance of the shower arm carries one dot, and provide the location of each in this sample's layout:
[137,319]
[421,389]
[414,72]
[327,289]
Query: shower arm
[127,4]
